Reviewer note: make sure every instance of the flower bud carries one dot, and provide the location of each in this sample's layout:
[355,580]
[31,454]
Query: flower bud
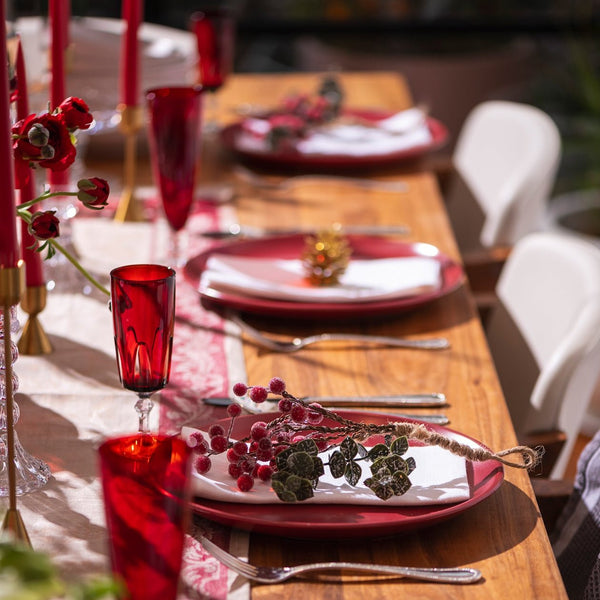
[47,152]
[93,192]
[75,113]
[38,135]
[44,225]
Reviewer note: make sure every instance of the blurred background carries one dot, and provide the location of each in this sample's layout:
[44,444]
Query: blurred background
[454,53]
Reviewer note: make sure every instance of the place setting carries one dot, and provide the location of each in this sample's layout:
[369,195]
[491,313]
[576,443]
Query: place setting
[275,275]
[316,129]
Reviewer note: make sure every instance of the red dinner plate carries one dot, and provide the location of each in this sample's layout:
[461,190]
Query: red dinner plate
[342,521]
[290,158]
[291,246]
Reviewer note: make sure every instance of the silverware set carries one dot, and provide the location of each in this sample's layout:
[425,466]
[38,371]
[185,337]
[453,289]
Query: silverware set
[279,574]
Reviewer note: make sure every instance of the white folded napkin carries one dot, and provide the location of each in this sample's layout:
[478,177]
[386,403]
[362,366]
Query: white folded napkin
[283,279]
[439,478]
[401,131]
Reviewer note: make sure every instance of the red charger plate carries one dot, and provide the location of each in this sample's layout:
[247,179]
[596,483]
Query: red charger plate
[343,521]
[290,158]
[291,246]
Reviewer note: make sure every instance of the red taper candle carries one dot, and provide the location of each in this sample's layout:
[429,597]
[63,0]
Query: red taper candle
[58,11]
[130,79]
[9,245]
[34,275]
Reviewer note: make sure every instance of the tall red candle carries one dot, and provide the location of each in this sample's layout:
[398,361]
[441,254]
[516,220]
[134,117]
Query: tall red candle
[34,275]
[9,245]
[58,11]
[132,15]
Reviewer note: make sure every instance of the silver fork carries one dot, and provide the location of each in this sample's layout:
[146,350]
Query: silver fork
[300,342]
[277,574]
[286,184]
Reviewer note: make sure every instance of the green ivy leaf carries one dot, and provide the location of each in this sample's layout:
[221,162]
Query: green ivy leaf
[349,448]
[400,483]
[300,487]
[318,467]
[307,445]
[301,464]
[352,473]
[394,463]
[381,491]
[399,445]
[337,464]
[378,450]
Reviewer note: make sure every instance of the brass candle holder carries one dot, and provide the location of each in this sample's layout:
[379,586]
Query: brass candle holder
[33,340]
[129,207]
[12,282]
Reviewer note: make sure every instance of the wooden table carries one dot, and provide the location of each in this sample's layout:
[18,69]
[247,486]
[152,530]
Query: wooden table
[504,535]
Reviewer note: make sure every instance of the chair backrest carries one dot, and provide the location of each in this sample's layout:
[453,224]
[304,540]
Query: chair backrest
[507,154]
[544,334]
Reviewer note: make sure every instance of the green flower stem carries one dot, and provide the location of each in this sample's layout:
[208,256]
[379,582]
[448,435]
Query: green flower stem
[27,216]
[43,197]
[74,262]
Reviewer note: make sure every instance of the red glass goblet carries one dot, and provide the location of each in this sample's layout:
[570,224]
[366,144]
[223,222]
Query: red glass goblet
[143,310]
[214,29]
[145,481]
[175,119]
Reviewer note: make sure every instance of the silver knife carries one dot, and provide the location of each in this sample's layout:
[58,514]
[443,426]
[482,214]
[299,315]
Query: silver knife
[245,231]
[435,419]
[401,400]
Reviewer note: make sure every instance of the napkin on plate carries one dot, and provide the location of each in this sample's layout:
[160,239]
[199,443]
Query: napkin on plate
[284,279]
[401,131]
[439,478]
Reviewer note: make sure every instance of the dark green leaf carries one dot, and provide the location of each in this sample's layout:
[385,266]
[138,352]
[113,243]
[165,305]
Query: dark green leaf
[411,464]
[301,464]
[318,468]
[337,464]
[352,473]
[300,487]
[282,492]
[381,491]
[378,450]
[349,448]
[378,465]
[307,445]
[395,463]
[399,445]
[400,483]
[281,459]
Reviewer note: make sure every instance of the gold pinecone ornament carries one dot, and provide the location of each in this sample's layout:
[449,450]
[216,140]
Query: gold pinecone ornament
[325,257]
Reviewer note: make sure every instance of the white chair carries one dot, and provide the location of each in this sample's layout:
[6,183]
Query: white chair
[507,155]
[544,334]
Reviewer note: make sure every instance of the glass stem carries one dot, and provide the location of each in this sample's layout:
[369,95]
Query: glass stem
[143,407]
[174,248]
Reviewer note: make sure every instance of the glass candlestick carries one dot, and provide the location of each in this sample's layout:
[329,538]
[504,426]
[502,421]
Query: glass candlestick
[30,473]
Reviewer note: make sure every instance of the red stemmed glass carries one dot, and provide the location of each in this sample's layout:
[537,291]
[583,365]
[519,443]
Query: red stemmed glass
[145,482]
[143,310]
[214,29]
[174,134]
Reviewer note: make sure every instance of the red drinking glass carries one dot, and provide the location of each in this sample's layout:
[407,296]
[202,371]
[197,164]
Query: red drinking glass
[145,484]
[175,119]
[215,34]
[143,310]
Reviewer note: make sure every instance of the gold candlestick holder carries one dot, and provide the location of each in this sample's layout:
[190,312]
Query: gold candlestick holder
[33,340]
[11,286]
[129,207]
